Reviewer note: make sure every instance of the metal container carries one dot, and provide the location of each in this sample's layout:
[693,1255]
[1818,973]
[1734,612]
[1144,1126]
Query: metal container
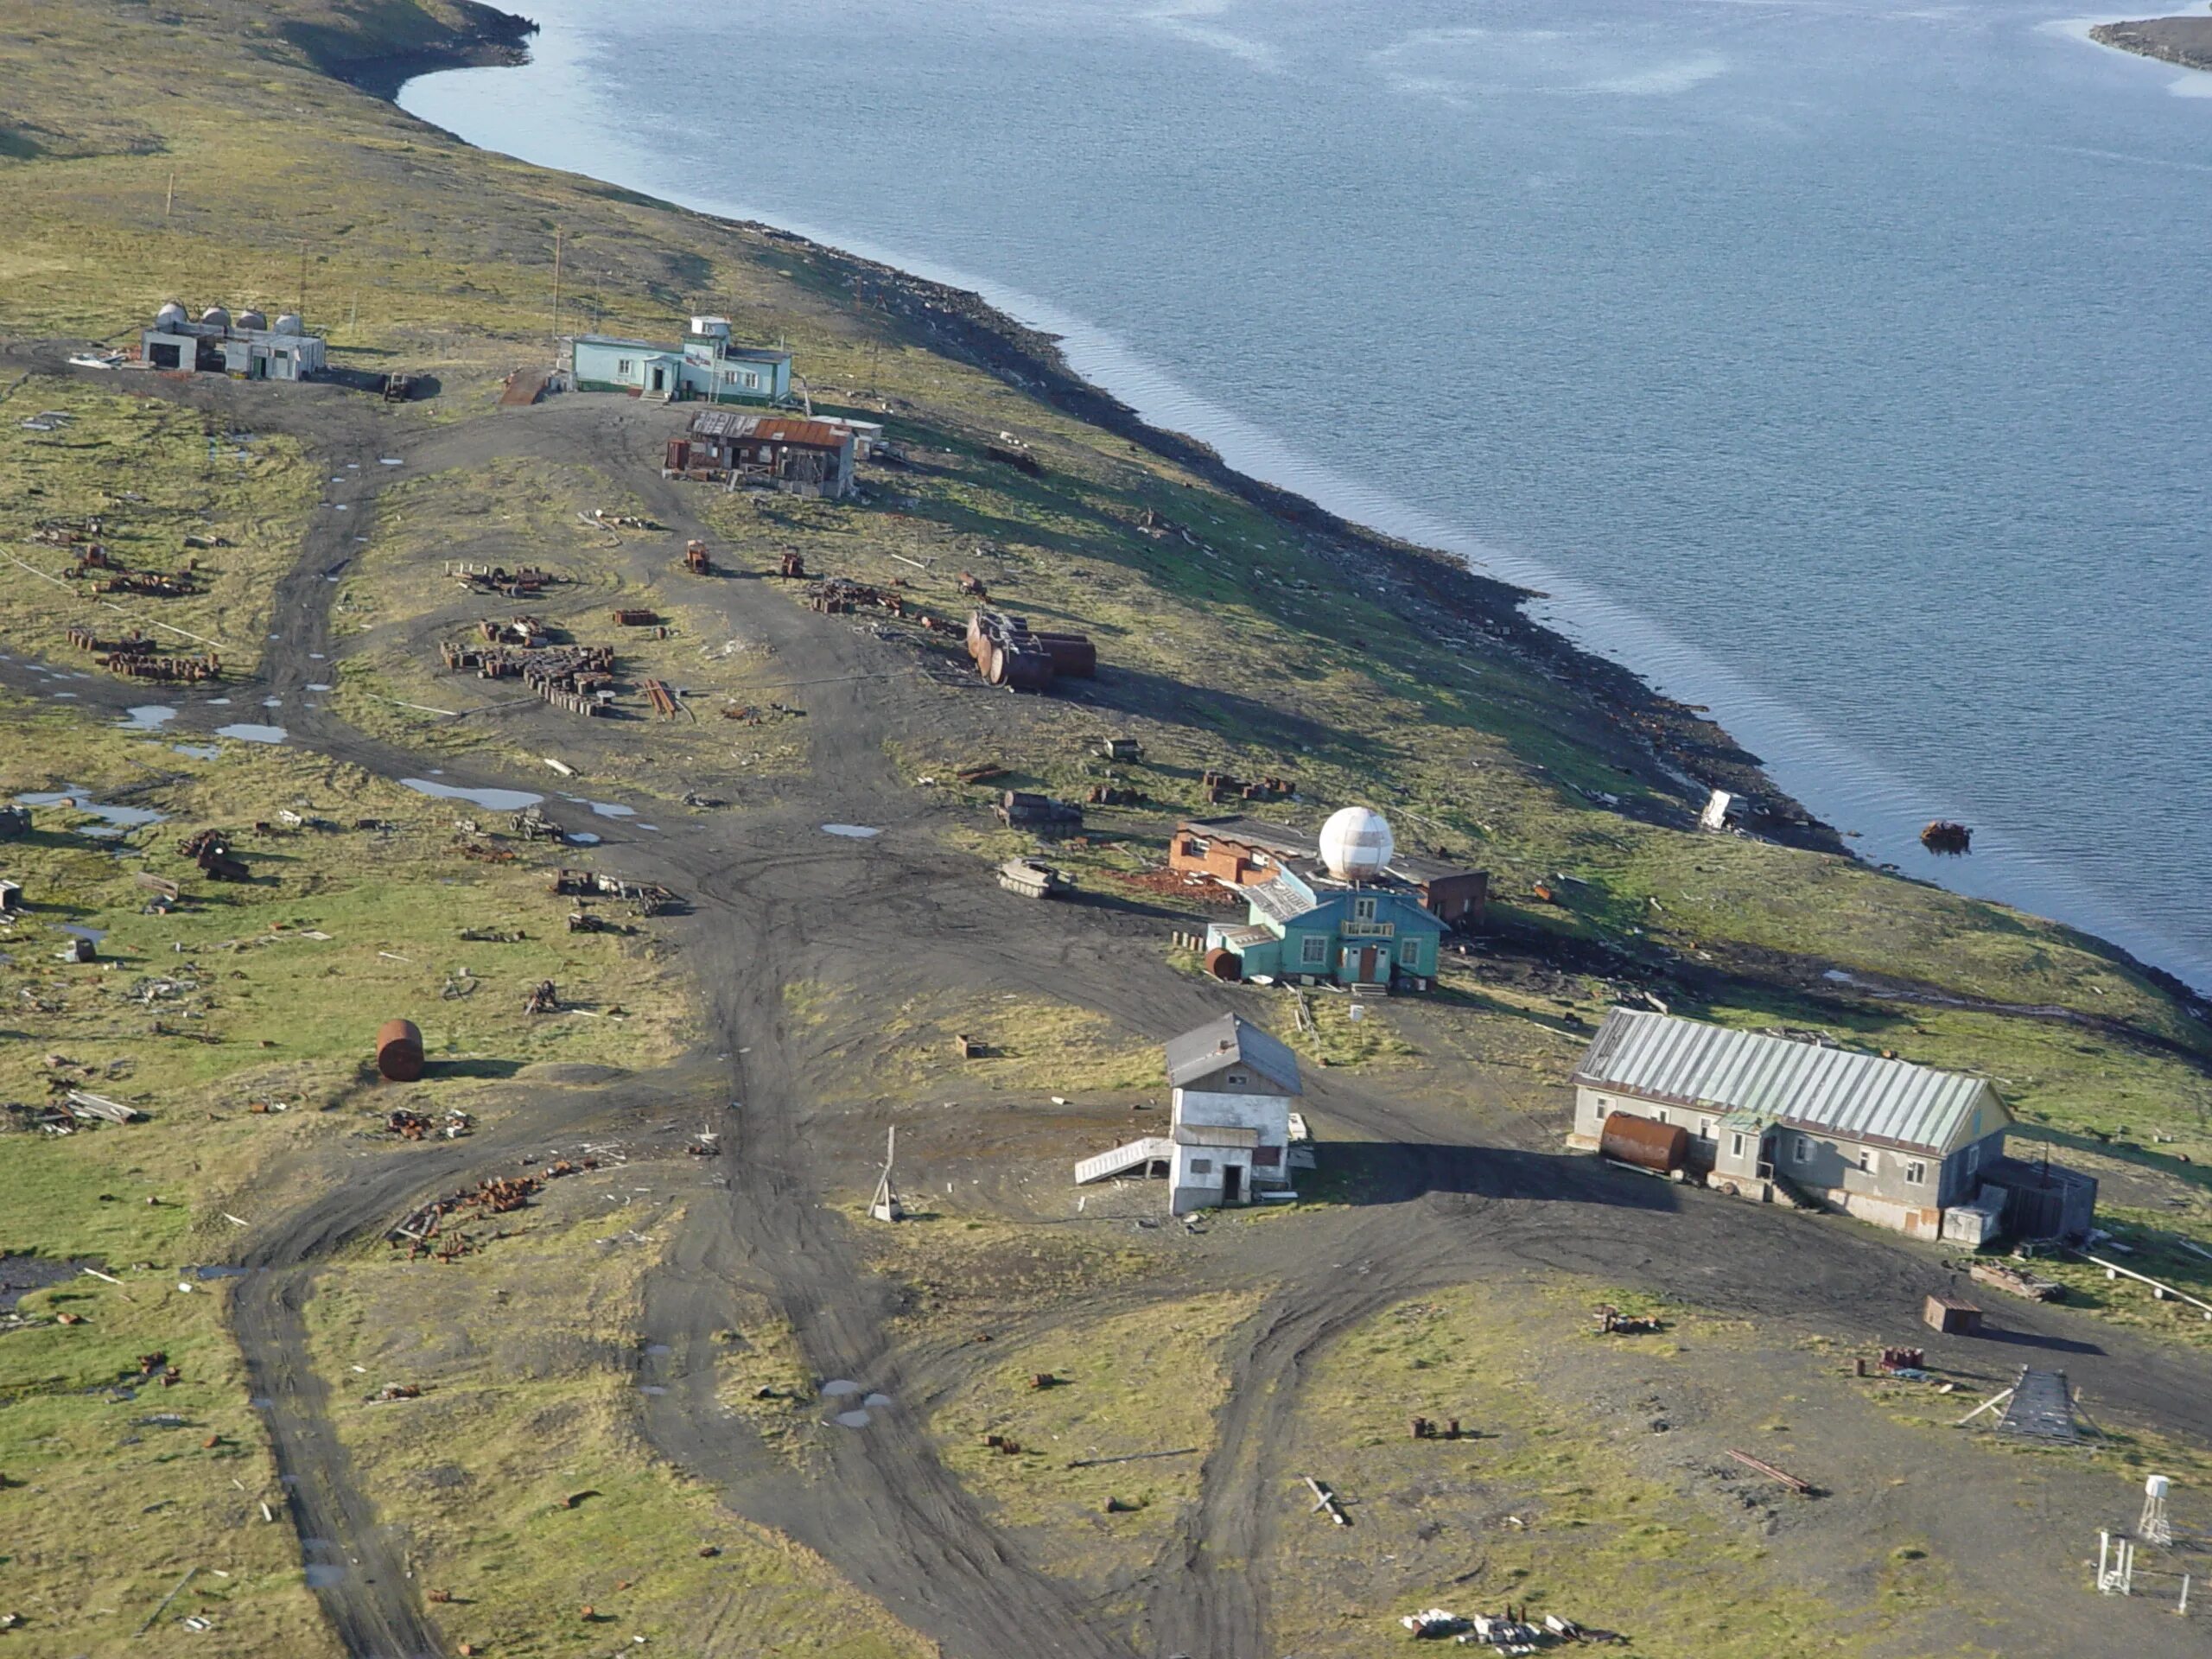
[399,1052]
[1661,1147]
[1072,654]
[1023,669]
[1224,964]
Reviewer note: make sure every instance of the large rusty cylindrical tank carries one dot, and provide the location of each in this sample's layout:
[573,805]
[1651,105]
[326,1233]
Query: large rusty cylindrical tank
[1028,670]
[399,1052]
[1224,964]
[1661,1148]
[1072,654]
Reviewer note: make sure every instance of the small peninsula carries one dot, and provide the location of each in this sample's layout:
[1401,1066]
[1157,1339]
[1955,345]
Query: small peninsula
[2184,40]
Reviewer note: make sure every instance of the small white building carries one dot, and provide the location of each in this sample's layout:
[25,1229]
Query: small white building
[1233,1087]
[247,347]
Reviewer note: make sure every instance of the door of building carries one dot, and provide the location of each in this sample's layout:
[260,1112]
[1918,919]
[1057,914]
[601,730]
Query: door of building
[1232,1183]
[660,379]
[1367,973]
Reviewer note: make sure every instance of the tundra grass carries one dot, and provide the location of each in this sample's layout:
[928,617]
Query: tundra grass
[519,1480]
[1132,1387]
[151,473]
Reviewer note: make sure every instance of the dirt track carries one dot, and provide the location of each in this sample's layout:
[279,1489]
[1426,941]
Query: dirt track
[774,900]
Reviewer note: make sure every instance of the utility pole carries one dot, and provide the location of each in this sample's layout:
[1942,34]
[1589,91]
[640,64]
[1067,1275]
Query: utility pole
[169,205]
[556,294]
[302,306]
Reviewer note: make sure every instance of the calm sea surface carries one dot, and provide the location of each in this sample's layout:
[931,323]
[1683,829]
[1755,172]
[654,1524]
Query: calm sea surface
[1842,365]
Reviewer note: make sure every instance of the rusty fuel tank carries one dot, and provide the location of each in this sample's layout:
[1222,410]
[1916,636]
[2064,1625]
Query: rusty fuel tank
[1661,1147]
[399,1052]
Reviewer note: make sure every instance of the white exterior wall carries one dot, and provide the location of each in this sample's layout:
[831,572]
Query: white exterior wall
[1267,1113]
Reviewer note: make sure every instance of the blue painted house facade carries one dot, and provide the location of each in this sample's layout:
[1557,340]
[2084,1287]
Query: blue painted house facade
[1373,937]
[707,367]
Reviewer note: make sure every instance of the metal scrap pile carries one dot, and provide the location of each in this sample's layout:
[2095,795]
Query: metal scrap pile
[842,596]
[650,898]
[526,583]
[133,655]
[580,678]
[1007,653]
[440,1219]
[211,850]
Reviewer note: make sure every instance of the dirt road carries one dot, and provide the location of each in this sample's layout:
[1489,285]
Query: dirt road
[776,901]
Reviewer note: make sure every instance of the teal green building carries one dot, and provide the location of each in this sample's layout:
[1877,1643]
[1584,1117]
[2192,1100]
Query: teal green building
[1362,935]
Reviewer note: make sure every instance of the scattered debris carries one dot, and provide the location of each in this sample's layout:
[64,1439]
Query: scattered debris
[1947,838]
[1802,1488]
[1034,879]
[2017,1281]
[1324,1498]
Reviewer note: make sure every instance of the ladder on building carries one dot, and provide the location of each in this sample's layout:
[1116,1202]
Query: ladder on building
[1136,1155]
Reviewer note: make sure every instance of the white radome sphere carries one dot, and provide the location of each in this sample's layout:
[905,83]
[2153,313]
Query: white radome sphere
[1357,843]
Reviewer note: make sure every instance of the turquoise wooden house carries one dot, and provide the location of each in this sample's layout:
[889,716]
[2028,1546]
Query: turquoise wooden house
[1363,936]
[708,365]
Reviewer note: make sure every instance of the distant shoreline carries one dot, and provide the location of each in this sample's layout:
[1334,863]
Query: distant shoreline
[2184,41]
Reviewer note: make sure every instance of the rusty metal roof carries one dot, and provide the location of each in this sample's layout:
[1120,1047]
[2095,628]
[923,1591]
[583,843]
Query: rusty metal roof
[812,435]
[1230,1041]
[1831,1090]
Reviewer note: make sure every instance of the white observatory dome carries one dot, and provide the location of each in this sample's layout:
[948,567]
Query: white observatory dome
[1357,843]
[252,320]
[169,315]
[215,317]
[289,324]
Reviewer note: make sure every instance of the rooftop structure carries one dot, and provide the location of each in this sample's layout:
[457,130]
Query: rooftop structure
[1228,1133]
[1240,851]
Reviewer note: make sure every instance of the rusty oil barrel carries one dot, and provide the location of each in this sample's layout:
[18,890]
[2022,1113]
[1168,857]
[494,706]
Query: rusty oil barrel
[399,1052]
[1661,1147]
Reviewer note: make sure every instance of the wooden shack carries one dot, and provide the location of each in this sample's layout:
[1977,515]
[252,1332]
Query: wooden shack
[1952,1316]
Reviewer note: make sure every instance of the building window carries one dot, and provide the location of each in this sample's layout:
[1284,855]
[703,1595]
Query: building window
[625,365]
[1865,1159]
[1313,951]
[1201,1166]
[1735,1145]
[1363,910]
[752,379]
[1802,1151]
[1409,952]
[1705,1129]
[1659,1116]
[1915,1173]
[1237,1078]
[1970,1159]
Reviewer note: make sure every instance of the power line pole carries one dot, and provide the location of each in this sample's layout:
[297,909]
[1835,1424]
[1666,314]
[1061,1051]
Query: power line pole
[556,294]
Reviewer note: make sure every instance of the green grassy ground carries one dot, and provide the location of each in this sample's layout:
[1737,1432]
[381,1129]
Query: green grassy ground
[528,1397]
[1137,1383]
[152,473]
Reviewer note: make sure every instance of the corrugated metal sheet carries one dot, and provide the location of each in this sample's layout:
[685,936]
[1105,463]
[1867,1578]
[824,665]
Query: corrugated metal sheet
[1855,1097]
[1282,899]
[1230,1041]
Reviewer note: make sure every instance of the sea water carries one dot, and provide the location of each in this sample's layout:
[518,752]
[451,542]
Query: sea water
[1837,365]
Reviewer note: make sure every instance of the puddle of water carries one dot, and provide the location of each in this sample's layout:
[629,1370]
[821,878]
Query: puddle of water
[198,751]
[390,461]
[854,831]
[219,1273]
[322,1577]
[491,800]
[651,1388]
[246,732]
[272,702]
[22,1274]
[658,1348]
[583,838]
[315,656]
[879,1401]
[853,1419]
[69,696]
[317,685]
[77,929]
[219,702]
[841,1388]
[611,810]
[114,820]
[148,717]
[653,827]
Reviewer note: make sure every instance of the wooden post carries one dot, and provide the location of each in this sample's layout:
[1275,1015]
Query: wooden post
[556,294]
[168,205]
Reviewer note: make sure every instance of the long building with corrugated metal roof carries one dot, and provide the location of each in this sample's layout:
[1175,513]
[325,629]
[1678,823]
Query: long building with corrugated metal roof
[1891,1142]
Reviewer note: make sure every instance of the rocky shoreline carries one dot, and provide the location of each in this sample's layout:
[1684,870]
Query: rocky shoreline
[2186,41]
[1434,590]
[481,37]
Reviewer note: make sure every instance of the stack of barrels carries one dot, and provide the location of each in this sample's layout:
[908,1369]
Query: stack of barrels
[1007,653]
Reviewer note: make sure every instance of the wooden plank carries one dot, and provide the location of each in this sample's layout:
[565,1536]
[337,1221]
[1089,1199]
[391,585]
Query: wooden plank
[1802,1488]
